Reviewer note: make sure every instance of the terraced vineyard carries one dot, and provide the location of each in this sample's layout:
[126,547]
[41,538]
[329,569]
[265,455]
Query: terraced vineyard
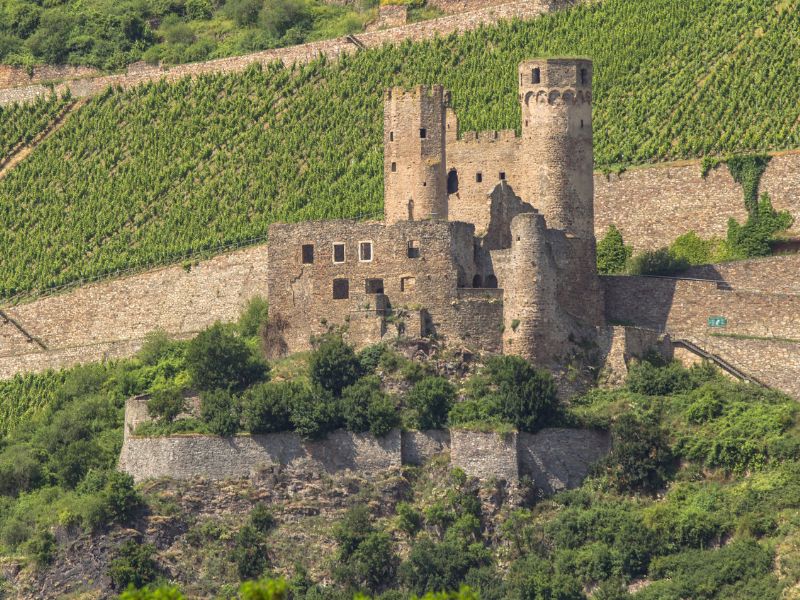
[138,177]
[19,124]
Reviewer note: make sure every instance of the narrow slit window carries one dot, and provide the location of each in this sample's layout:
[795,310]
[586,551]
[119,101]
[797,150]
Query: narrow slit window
[308,254]
[341,289]
[413,249]
[391,136]
[365,251]
[338,253]
[584,76]
[423,133]
[394,167]
[536,75]
[374,286]
[479,177]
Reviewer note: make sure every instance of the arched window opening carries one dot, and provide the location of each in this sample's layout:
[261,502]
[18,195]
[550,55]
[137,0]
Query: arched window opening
[411,210]
[491,281]
[536,75]
[452,182]
[477,282]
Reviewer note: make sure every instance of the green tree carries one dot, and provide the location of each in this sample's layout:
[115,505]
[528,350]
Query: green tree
[641,457]
[249,553]
[134,565]
[254,317]
[217,359]
[366,408]
[526,395]
[333,364]
[431,399]
[267,408]
[612,253]
[166,404]
[219,409]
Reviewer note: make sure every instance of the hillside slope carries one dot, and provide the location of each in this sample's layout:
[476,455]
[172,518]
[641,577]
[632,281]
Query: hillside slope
[138,177]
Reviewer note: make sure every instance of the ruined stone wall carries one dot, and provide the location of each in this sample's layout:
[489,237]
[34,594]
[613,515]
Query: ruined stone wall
[653,205]
[17,76]
[332,49]
[618,345]
[110,319]
[303,294]
[683,306]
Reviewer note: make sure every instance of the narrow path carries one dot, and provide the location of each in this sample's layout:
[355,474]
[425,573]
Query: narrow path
[717,360]
[21,151]
[5,318]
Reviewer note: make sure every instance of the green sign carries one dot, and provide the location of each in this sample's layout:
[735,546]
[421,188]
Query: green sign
[717,322]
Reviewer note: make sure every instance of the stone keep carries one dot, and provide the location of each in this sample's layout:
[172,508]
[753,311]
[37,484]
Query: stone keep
[415,185]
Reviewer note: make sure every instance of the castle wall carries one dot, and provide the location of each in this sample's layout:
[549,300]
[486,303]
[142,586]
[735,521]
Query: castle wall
[110,319]
[681,306]
[428,282]
[653,205]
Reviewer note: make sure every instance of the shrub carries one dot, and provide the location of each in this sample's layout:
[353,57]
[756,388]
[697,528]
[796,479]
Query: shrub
[366,408]
[219,410]
[656,262]
[753,238]
[370,357]
[431,399]
[315,413]
[652,380]
[261,518]
[440,566]
[409,519]
[153,593]
[166,404]
[249,553]
[333,364]
[157,346]
[121,499]
[526,395]
[366,559]
[254,317]
[612,253]
[693,249]
[42,548]
[133,565]
[20,470]
[267,408]
[640,458]
[217,359]
[267,589]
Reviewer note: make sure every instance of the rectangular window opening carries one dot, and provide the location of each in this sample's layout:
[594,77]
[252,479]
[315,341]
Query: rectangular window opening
[413,249]
[308,254]
[502,176]
[584,76]
[394,167]
[365,251]
[536,76]
[423,133]
[338,253]
[374,286]
[341,289]
[391,136]
[408,284]
[479,177]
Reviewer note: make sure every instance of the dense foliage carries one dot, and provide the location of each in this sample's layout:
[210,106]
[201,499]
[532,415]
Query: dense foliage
[111,34]
[167,168]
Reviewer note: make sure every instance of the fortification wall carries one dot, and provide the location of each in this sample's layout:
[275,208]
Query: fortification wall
[110,319]
[304,53]
[555,459]
[653,205]
[774,274]
[683,306]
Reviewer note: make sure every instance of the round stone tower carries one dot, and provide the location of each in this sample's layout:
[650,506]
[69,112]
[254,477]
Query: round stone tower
[415,177]
[557,154]
[531,325]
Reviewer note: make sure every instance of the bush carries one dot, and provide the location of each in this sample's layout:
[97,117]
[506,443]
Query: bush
[249,553]
[165,405]
[640,457]
[254,317]
[526,395]
[652,380]
[217,359]
[692,249]
[261,518]
[20,470]
[366,559]
[42,548]
[366,408]
[134,565]
[656,262]
[333,364]
[219,410]
[315,413]
[409,519]
[754,237]
[612,253]
[267,408]
[440,566]
[431,399]
[121,499]
[370,357]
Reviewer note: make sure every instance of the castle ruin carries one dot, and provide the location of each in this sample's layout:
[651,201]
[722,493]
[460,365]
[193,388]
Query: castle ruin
[487,239]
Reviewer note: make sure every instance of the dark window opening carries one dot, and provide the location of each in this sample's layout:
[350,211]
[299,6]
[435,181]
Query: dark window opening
[423,133]
[365,251]
[391,136]
[479,177]
[374,286]
[308,254]
[413,249]
[410,210]
[584,76]
[394,167]
[476,247]
[341,289]
[502,176]
[338,253]
[581,123]
[491,281]
[452,182]
[477,282]
[536,75]
[424,184]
